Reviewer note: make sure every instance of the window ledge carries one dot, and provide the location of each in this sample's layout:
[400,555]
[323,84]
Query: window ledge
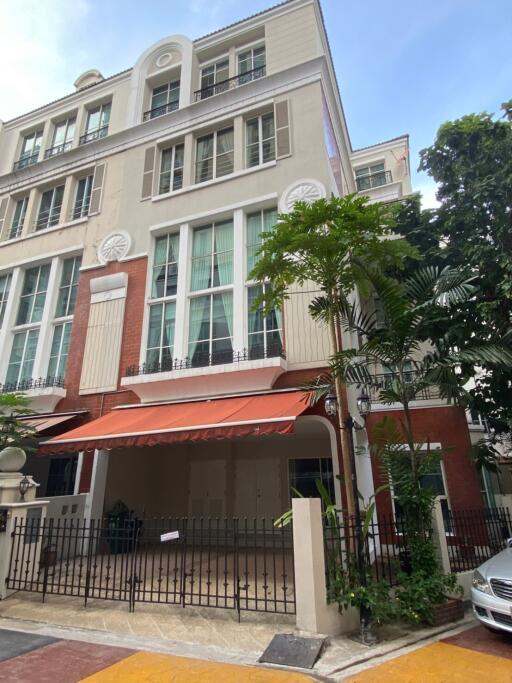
[252,375]
[214,181]
[46,231]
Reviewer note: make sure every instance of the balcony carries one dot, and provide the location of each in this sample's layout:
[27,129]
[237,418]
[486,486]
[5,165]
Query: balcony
[229,83]
[160,111]
[207,374]
[368,182]
[385,380]
[58,149]
[47,219]
[80,209]
[26,160]
[93,135]
[43,393]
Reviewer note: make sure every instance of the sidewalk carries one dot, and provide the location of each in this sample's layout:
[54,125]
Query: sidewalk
[208,634]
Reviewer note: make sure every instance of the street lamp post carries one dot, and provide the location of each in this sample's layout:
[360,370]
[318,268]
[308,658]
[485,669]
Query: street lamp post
[364,407]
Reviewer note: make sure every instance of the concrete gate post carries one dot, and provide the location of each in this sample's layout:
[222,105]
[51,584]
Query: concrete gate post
[313,612]
[440,536]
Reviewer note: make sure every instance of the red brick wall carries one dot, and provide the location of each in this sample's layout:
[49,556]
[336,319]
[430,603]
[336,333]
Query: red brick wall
[98,404]
[448,426]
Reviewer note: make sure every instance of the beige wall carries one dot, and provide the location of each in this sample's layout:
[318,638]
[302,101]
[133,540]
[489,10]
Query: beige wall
[291,39]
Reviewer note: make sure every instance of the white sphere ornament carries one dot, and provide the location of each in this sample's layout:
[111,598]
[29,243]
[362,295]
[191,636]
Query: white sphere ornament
[12,459]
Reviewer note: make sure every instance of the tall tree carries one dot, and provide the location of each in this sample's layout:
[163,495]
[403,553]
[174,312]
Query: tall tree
[471,160]
[323,244]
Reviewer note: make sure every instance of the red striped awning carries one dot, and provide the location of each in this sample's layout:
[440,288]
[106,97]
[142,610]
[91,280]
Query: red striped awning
[223,418]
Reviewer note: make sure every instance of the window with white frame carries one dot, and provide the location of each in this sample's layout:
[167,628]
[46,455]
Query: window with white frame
[251,64]
[164,280]
[265,330]
[391,371]
[211,329]
[214,78]
[257,223]
[98,119]
[215,155]
[63,134]
[18,218]
[370,176]
[30,148]
[164,98]
[171,169]
[68,287]
[260,140]
[21,361]
[82,197]
[33,295]
[50,208]
[212,256]
[62,323]
[5,286]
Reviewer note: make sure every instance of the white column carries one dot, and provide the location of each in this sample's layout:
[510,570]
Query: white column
[11,311]
[313,612]
[440,536]
[183,286]
[96,495]
[78,474]
[239,298]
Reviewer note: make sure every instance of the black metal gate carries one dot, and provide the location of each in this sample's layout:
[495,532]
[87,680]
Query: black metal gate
[236,564]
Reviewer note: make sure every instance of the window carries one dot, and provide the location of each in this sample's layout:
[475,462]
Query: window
[33,295]
[165,266]
[68,287]
[171,169]
[61,475]
[260,140]
[372,176]
[390,372]
[162,321]
[22,357]
[211,329]
[251,64]
[98,119]
[18,219]
[5,285]
[30,149]
[164,99]
[265,331]
[63,134]
[83,197]
[214,78]
[304,472]
[214,155]
[212,256]
[50,207]
[59,350]
[258,222]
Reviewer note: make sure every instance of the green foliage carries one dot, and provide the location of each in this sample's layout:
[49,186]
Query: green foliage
[15,432]
[471,162]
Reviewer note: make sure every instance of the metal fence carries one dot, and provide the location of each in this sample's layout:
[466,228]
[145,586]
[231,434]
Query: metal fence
[385,551]
[474,536]
[241,564]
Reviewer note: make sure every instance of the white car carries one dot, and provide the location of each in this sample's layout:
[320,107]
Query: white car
[491,591]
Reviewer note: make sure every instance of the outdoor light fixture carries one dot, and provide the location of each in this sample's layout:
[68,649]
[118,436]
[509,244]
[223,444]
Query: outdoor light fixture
[24,486]
[364,404]
[331,404]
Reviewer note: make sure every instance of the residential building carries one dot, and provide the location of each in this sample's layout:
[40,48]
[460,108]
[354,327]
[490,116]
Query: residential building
[130,218]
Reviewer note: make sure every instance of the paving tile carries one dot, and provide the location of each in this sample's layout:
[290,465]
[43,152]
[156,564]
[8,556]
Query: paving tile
[66,661]
[14,643]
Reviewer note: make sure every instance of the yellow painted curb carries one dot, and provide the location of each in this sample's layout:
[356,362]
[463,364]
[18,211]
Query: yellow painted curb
[439,663]
[147,667]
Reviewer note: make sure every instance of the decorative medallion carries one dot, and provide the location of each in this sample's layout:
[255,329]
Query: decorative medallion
[164,59]
[114,247]
[306,190]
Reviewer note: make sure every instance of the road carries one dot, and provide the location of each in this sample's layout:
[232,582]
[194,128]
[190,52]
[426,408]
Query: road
[29,658]
[472,656]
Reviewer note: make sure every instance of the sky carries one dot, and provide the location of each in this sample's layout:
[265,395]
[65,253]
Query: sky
[403,66]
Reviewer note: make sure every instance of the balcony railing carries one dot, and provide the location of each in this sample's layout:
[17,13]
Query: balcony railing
[15,231]
[58,149]
[80,210]
[32,383]
[202,360]
[160,111]
[386,379]
[47,219]
[26,160]
[95,134]
[230,83]
[367,182]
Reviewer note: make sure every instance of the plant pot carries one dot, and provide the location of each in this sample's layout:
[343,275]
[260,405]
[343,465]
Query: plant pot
[446,612]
